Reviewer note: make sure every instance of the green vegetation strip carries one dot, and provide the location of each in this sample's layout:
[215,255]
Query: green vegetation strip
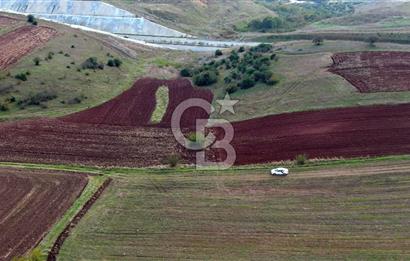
[93,185]
[162,100]
[312,164]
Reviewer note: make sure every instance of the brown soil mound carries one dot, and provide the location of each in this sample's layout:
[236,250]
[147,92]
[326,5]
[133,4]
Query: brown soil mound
[350,132]
[134,107]
[31,201]
[20,42]
[374,71]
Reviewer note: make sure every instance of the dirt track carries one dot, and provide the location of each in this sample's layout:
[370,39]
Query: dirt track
[18,43]
[374,71]
[31,201]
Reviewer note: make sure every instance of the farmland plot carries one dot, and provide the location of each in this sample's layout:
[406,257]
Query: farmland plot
[22,41]
[374,71]
[30,203]
[349,214]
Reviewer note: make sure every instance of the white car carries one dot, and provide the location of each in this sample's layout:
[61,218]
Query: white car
[279,172]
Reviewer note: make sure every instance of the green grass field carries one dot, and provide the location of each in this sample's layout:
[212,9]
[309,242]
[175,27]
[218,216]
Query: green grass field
[350,213]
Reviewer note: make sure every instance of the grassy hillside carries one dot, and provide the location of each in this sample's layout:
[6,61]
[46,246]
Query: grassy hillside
[197,17]
[377,16]
[60,85]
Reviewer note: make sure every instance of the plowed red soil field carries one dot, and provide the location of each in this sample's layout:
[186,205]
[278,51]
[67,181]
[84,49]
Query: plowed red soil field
[7,21]
[116,133]
[135,106]
[31,201]
[374,71]
[351,132]
[56,141]
[22,41]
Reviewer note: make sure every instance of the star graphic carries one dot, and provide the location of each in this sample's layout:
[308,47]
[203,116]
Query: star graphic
[227,104]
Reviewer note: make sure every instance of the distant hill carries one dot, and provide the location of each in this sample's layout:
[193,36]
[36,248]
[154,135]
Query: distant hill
[197,17]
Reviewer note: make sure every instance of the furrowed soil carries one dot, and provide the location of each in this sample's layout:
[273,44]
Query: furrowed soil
[135,106]
[117,133]
[374,71]
[31,201]
[349,132]
[356,213]
[18,43]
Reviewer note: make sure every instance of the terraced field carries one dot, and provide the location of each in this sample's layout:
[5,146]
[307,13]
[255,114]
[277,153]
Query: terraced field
[341,213]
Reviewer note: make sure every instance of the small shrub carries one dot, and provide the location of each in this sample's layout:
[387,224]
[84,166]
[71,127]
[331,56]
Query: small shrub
[301,159]
[4,107]
[173,160]
[72,46]
[37,61]
[32,20]
[247,83]
[186,72]
[110,63]
[318,41]
[21,77]
[50,55]
[231,89]
[36,99]
[205,78]
[262,48]
[117,62]
[241,49]
[227,79]
[92,63]
[372,40]
[218,53]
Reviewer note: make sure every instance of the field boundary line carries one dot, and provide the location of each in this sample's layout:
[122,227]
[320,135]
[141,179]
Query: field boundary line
[55,250]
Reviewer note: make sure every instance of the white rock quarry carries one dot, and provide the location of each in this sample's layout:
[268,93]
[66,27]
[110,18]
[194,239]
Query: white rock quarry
[93,14]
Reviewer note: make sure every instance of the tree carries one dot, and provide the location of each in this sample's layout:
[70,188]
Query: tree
[173,160]
[218,53]
[186,72]
[318,41]
[247,82]
[372,40]
[117,62]
[301,159]
[31,19]
[205,78]
[37,61]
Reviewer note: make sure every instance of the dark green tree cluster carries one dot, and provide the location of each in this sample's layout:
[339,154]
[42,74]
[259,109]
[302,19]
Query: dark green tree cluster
[114,62]
[242,69]
[32,20]
[92,63]
[292,16]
